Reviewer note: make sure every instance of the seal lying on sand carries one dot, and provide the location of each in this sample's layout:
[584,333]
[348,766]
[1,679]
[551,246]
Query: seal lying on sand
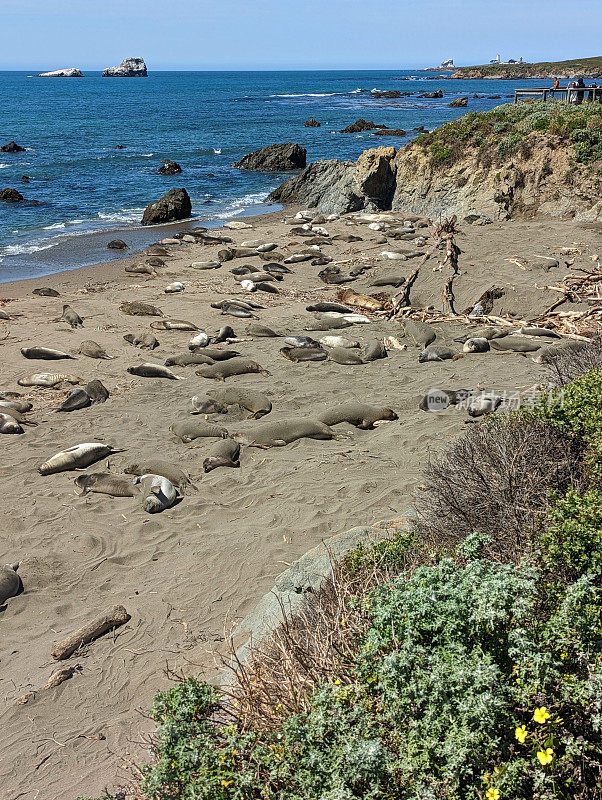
[156,466]
[375,350]
[207,406]
[163,494]
[305,353]
[174,325]
[137,309]
[47,379]
[548,354]
[187,359]
[362,415]
[22,406]
[419,333]
[435,353]
[46,291]
[515,344]
[477,344]
[93,392]
[343,355]
[77,457]
[105,483]
[92,349]
[190,429]
[10,582]
[145,341]
[283,432]
[8,424]
[256,402]
[149,370]
[224,453]
[234,366]
[45,353]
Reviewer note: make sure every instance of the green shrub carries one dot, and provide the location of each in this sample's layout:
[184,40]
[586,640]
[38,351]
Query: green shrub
[573,540]
[588,145]
[509,145]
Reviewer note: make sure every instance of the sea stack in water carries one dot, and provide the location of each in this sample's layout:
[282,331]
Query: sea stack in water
[12,147]
[172,206]
[169,168]
[71,72]
[129,68]
[275,158]
[11,196]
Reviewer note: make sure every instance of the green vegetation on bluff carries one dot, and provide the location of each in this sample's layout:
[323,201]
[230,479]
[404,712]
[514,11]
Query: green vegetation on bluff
[588,67]
[505,130]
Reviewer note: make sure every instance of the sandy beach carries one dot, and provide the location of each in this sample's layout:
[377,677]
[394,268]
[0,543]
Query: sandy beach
[188,574]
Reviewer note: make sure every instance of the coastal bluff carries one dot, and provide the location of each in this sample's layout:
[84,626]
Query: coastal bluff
[515,161]
[129,68]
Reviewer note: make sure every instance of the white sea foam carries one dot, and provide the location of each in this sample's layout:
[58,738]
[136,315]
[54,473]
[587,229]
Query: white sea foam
[125,215]
[237,207]
[4,166]
[309,94]
[217,151]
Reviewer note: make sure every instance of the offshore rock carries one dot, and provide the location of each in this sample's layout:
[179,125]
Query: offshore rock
[172,206]
[11,196]
[169,168]
[129,68]
[62,73]
[12,147]
[275,158]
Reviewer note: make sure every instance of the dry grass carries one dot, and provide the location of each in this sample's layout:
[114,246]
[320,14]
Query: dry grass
[497,480]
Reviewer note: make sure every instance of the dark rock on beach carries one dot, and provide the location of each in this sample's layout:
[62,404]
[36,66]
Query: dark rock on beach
[169,168]
[11,196]
[459,102]
[117,244]
[12,147]
[361,125]
[172,206]
[129,68]
[312,123]
[275,158]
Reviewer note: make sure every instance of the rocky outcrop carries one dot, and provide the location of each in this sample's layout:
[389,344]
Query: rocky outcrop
[360,126]
[129,68]
[11,196]
[389,132]
[173,206]
[117,244]
[336,187]
[275,158]
[169,168]
[437,95]
[312,123]
[12,147]
[459,102]
[71,72]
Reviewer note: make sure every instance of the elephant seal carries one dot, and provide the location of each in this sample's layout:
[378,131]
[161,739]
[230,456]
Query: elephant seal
[435,353]
[149,370]
[16,415]
[547,354]
[8,424]
[305,353]
[515,344]
[201,339]
[44,353]
[10,582]
[219,355]
[156,466]
[224,333]
[47,379]
[137,309]
[343,355]
[92,349]
[476,345]
[419,333]
[483,404]
[163,494]
[78,398]
[6,406]
[187,359]
[77,457]
[140,269]
[207,406]
[336,307]
[261,330]
[233,366]
[224,453]
[46,291]
[327,324]
[488,332]
[375,350]
[251,400]
[145,341]
[533,330]
[174,325]
[190,429]
[440,399]
[283,432]
[174,287]
[338,341]
[71,317]
[96,391]
[301,341]
[105,483]
[389,280]
[362,415]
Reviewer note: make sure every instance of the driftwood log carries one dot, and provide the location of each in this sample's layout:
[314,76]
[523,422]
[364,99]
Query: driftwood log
[88,633]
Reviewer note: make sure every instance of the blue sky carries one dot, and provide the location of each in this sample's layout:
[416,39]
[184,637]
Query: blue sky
[305,34]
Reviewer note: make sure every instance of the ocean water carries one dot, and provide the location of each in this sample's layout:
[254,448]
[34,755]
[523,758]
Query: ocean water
[202,120]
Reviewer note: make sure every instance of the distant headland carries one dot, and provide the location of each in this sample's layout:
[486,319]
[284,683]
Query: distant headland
[497,70]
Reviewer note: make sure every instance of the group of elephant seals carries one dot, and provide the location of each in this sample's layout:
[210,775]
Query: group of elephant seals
[251,400]
[44,353]
[224,453]
[10,582]
[105,483]
[93,392]
[233,366]
[156,466]
[145,341]
[283,432]
[362,415]
[77,457]
[190,429]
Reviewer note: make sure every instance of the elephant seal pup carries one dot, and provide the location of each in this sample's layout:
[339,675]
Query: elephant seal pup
[361,415]
[219,355]
[77,457]
[233,366]
[156,466]
[435,353]
[78,398]
[283,432]
[174,287]
[47,379]
[343,355]
[201,339]
[163,494]
[207,406]
[190,429]
[9,424]
[515,344]
[96,391]
[71,317]
[301,341]
[337,307]
[224,453]
[7,406]
[137,309]
[16,415]
[149,370]
[296,354]
[92,349]
[105,483]
[483,404]
[327,324]
[224,333]
[46,291]
[44,353]
[440,399]
[478,344]
[338,341]
[375,350]
[145,341]
[140,269]
[533,330]
[261,330]
[187,359]
[419,333]
[489,332]
[174,325]
[251,400]
[10,582]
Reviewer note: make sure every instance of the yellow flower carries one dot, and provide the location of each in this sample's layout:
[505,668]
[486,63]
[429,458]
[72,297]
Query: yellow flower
[337,682]
[545,756]
[492,794]
[541,715]
[226,783]
[521,734]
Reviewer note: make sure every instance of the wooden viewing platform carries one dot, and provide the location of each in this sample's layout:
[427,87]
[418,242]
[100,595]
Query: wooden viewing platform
[563,93]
